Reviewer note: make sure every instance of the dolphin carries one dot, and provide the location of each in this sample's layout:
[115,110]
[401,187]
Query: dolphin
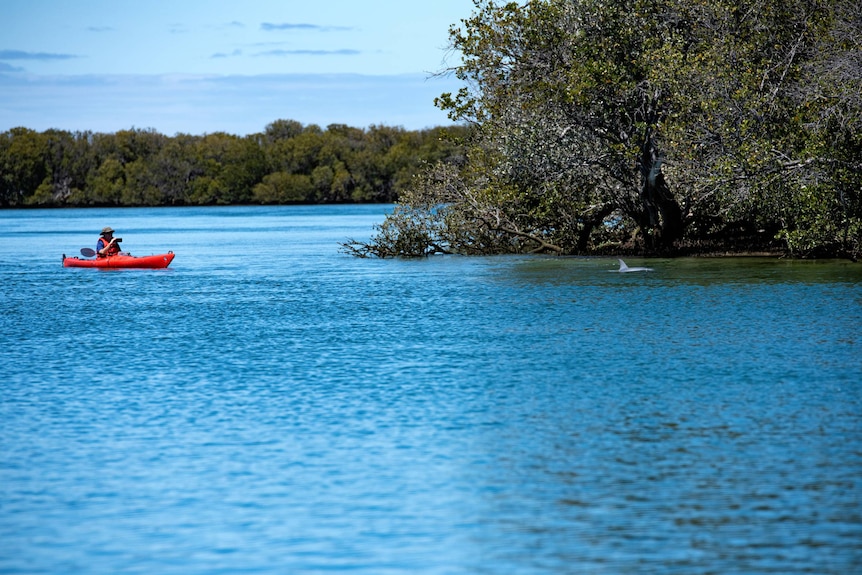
[625,269]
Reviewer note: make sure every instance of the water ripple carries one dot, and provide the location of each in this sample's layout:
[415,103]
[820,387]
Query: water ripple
[306,412]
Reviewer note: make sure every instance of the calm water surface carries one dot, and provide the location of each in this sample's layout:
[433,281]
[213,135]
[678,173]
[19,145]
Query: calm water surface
[270,405]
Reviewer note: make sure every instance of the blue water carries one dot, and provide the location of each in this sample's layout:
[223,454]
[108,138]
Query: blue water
[270,405]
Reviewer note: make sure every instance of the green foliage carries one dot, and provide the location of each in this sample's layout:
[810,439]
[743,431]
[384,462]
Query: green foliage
[816,226]
[284,188]
[22,165]
[662,126]
[288,163]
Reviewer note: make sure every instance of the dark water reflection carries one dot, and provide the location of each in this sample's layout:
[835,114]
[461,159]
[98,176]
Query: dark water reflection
[274,406]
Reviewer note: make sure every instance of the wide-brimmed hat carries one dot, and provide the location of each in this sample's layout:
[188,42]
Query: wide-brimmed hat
[107,230]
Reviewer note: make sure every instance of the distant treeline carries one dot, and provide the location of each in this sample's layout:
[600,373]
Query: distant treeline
[287,163]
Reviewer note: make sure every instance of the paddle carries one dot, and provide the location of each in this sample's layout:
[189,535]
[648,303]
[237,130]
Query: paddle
[88,252]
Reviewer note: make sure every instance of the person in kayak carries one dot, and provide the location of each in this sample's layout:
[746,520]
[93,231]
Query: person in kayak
[107,245]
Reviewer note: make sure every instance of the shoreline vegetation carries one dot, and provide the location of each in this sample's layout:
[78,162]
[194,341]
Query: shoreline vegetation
[654,127]
[586,127]
[288,163]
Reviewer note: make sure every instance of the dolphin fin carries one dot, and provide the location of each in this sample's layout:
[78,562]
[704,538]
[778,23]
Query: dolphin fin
[623,266]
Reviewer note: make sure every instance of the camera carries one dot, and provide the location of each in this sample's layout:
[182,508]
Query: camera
[118,240]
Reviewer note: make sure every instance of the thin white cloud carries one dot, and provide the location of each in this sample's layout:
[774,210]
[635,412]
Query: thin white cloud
[233,54]
[22,55]
[271,27]
[308,52]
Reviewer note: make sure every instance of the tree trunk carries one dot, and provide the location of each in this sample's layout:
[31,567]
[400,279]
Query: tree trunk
[661,219]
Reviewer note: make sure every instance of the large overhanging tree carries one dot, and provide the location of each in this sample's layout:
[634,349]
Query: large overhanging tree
[663,126]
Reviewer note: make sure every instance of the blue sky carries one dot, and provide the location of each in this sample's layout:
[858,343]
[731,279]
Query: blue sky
[203,66]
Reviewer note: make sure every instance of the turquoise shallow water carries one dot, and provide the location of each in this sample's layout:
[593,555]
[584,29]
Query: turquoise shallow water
[269,405]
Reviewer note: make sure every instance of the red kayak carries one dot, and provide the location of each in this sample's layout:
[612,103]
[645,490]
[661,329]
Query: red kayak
[121,261]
